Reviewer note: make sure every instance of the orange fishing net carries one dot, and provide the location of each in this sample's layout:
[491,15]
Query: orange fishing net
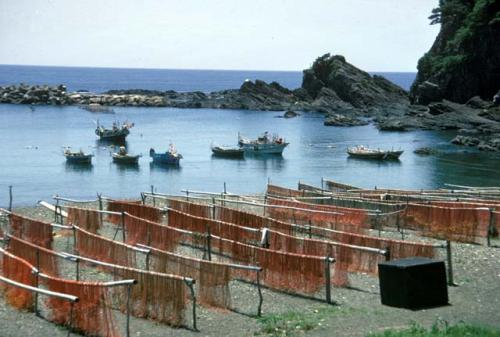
[217,228]
[279,191]
[87,219]
[133,208]
[456,224]
[212,277]
[37,232]
[92,314]
[103,249]
[41,258]
[200,210]
[20,271]
[156,296]
[351,219]
[284,271]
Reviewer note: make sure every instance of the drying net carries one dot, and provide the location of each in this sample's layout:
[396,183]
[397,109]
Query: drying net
[212,277]
[37,232]
[133,208]
[398,248]
[283,271]
[217,228]
[20,271]
[42,258]
[87,219]
[351,220]
[279,191]
[92,314]
[200,210]
[103,249]
[456,224]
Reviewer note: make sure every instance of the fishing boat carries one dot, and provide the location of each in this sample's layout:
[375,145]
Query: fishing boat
[227,151]
[117,132]
[170,157]
[122,157]
[361,151]
[78,157]
[265,144]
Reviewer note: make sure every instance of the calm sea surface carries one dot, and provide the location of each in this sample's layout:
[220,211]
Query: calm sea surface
[31,145]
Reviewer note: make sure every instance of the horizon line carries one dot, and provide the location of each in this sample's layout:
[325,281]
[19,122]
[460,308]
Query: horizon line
[191,69]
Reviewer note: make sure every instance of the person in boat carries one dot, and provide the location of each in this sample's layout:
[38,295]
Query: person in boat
[122,151]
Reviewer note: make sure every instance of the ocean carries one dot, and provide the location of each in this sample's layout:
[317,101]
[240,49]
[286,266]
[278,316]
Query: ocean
[102,79]
[31,142]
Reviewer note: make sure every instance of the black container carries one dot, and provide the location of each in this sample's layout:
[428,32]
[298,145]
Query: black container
[413,283]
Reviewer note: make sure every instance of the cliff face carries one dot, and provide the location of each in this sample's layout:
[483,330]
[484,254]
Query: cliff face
[464,60]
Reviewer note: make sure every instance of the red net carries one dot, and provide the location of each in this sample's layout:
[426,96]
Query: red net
[284,271]
[87,219]
[133,208]
[19,270]
[103,249]
[279,191]
[37,232]
[42,258]
[212,277]
[92,314]
[351,219]
[217,228]
[456,224]
[200,210]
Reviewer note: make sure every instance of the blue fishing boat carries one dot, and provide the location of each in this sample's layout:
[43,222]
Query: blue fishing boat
[170,157]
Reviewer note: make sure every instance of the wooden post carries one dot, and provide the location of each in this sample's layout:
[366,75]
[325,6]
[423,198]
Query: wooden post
[147,259]
[264,207]
[491,227]
[328,282]
[225,190]
[379,224]
[310,229]
[261,299]
[193,299]
[127,326]
[122,220]
[37,280]
[143,198]
[153,195]
[450,264]
[187,195]
[75,251]
[55,210]
[387,253]
[77,262]
[10,198]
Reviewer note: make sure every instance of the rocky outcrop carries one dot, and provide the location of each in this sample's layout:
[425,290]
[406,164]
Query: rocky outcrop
[464,60]
[34,94]
[342,120]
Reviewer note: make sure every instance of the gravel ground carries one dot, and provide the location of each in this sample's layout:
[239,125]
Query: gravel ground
[358,311]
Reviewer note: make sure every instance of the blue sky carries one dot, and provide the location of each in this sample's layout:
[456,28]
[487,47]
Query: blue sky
[375,35]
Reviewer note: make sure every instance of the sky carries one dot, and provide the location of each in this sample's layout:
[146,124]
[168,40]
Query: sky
[374,35]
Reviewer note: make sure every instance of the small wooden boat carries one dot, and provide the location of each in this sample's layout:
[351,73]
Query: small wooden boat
[170,157]
[264,144]
[117,132]
[361,151]
[122,157]
[78,157]
[226,151]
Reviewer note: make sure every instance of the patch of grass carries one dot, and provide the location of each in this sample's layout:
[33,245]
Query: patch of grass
[293,322]
[441,329]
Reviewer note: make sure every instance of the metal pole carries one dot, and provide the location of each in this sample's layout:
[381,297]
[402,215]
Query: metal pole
[387,253]
[147,259]
[37,280]
[99,197]
[127,326]
[209,244]
[261,299]
[77,262]
[491,227]
[328,282]
[10,198]
[123,225]
[153,194]
[450,264]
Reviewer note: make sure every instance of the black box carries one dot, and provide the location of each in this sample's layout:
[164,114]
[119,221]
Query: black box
[413,283]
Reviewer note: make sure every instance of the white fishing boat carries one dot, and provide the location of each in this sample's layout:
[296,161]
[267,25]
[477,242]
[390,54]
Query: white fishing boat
[78,157]
[123,157]
[364,152]
[265,144]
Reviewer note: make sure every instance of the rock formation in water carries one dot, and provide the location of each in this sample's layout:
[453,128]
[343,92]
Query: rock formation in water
[464,60]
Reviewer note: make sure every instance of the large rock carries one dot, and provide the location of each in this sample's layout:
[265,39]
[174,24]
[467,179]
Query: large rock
[428,92]
[350,84]
[342,120]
